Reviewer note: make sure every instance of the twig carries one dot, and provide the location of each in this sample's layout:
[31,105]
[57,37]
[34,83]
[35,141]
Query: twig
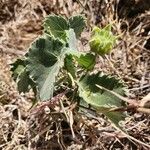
[131,138]
[134,105]
[143,110]
[10,51]
[51,103]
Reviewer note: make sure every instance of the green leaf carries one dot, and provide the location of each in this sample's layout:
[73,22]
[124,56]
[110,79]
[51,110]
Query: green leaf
[102,40]
[25,82]
[77,23]
[99,98]
[17,68]
[56,26]
[45,58]
[102,101]
[86,60]
[71,40]
[19,73]
[69,65]
[115,117]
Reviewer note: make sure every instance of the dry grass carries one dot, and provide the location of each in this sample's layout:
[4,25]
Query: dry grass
[53,127]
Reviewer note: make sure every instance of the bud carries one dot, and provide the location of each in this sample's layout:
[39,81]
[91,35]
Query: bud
[102,40]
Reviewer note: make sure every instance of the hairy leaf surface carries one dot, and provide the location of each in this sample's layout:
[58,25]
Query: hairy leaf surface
[59,26]
[17,68]
[45,58]
[56,26]
[21,76]
[25,82]
[77,23]
[72,41]
[86,60]
[99,98]
[69,65]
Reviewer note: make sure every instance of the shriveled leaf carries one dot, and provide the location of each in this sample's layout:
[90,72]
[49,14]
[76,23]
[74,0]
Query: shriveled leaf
[102,40]
[56,26]
[99,98]
[77,23]
[45,58]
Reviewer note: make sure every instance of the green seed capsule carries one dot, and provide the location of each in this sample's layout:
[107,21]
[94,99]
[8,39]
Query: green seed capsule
[102,40]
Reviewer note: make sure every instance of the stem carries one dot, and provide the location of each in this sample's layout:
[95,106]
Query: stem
[134,105]
[130,101]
